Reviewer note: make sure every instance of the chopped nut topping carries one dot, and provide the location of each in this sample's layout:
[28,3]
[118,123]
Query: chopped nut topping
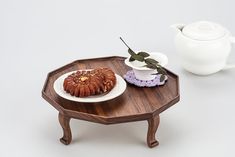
[83,78]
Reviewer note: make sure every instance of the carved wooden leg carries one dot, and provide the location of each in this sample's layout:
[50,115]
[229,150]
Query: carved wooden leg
[153,123]
[64,122]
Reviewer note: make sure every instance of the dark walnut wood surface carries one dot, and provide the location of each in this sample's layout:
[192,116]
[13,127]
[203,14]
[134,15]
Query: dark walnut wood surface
[134,104]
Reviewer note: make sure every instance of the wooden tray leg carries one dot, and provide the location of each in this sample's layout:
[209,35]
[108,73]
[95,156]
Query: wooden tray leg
[153,123]
[64,122]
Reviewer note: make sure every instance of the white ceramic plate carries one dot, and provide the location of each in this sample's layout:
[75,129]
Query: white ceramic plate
[118,89]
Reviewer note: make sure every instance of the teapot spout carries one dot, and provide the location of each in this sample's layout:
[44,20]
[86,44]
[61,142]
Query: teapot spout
[178,27]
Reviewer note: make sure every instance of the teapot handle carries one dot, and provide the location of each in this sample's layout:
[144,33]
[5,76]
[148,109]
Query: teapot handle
[230,66]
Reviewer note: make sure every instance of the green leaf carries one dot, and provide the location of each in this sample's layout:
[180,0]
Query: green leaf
[131,52]
[151,66]
[138,58]
[161,71]
[143,54]
[131,59]
[151,61]
[162,78]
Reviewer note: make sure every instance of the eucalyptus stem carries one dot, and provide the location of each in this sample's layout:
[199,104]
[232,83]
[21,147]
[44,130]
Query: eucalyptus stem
[150,62]
[125,43]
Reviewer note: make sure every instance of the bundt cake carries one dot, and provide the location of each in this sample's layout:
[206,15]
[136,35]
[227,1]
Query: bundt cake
[84,83]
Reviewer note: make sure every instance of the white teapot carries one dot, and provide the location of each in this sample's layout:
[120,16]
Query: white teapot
[203,47]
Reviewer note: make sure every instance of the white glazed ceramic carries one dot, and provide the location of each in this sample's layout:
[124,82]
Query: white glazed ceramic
[144,73]
[118,89]
[203,47]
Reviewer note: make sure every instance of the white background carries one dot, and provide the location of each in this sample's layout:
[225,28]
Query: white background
[38,36]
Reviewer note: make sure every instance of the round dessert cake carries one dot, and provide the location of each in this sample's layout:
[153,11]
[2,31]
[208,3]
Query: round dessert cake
[84,83]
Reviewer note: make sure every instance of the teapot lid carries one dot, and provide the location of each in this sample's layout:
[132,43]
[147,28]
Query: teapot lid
[204,30]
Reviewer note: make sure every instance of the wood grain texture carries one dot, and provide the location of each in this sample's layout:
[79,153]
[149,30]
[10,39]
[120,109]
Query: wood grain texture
[133,105]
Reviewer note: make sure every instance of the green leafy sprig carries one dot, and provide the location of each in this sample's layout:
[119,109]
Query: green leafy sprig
[150,62]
